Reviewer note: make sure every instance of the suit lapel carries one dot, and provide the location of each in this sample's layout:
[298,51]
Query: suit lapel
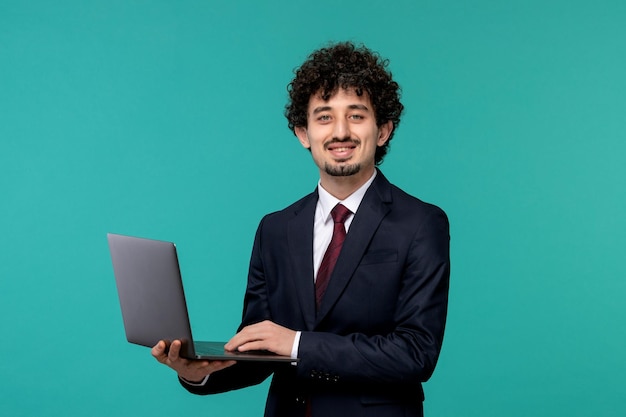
[372,210]
[300,243]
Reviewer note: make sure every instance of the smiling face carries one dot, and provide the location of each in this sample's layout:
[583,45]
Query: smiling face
[342,135]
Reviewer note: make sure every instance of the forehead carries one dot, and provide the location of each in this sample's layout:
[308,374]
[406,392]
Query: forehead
[342,98]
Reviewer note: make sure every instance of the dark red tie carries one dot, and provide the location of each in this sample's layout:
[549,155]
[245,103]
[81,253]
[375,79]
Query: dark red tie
[339,213]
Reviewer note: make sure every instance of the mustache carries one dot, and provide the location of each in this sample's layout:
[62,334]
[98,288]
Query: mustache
[342,141]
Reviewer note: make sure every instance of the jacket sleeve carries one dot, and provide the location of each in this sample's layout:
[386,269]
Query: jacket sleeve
[240,375]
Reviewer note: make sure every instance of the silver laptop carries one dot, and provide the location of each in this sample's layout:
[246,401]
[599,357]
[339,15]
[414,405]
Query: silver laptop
[151,295]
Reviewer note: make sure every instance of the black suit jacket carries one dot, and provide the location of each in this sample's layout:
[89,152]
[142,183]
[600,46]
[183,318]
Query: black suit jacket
[379,330]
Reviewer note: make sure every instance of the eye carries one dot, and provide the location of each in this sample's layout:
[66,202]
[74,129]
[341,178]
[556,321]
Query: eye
[356,117]
[324,118]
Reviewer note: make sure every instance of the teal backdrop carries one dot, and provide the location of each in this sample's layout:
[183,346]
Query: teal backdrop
[163,119]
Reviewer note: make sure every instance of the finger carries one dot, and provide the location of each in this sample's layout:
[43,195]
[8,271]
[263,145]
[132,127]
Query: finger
[174,352]
[158,351]
[235,341]
[253,345]
[247,334]
[239,340]
[231,345]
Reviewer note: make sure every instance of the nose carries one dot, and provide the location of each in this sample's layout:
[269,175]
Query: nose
[341,129]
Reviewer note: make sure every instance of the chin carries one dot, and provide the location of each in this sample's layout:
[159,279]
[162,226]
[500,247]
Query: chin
[342,170]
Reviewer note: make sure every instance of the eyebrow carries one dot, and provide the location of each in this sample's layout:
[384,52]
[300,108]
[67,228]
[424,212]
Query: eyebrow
[321,109]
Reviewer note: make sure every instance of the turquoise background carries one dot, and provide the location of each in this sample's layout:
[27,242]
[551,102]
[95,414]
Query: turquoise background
[164,119]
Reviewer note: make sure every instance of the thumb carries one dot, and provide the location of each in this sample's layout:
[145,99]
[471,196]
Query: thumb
[158,350]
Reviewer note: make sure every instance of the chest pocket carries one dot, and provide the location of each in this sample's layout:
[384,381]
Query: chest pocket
[379,257]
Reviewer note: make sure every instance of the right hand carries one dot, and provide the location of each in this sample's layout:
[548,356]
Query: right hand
[190,370]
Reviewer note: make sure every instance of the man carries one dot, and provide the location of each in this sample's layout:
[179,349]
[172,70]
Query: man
[367,320]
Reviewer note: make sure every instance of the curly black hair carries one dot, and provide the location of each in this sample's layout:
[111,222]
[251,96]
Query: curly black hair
[347,66]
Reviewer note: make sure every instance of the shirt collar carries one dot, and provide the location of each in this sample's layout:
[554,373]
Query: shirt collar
[327,201]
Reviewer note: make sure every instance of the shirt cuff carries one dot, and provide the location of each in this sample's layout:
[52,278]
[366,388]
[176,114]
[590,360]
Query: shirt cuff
[296,345]
[195,384]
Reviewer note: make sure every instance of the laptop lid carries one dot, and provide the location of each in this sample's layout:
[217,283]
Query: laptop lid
[152,299]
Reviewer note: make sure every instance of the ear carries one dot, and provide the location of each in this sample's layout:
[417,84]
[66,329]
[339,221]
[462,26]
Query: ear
[303,137]
[384,131]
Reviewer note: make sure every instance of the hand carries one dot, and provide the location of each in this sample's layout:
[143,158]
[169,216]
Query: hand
[265,335]
[191,370]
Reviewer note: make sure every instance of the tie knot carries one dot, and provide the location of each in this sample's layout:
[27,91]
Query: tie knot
[340,213]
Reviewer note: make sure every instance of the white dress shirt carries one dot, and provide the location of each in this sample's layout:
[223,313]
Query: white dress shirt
[323,228]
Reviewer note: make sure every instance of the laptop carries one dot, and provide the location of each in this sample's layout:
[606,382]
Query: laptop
[150,290]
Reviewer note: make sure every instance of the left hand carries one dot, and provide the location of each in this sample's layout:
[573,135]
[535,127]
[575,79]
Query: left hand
[265,335]
[191,370]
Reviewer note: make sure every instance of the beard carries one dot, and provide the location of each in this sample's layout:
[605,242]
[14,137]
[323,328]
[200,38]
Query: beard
[343,170]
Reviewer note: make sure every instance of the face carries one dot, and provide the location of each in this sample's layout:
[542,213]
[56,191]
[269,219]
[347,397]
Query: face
[342,134]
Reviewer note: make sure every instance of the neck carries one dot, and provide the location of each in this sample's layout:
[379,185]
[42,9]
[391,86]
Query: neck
[342,187]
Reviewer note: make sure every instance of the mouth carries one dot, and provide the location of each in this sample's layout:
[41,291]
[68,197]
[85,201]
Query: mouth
[341,149]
